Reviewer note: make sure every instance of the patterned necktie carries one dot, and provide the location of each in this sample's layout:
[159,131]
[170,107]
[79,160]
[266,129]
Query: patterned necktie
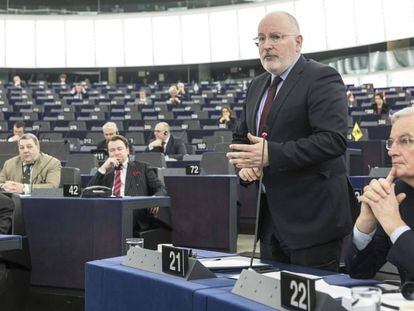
[268,103]
[26,173]
[163,147]
[117,183]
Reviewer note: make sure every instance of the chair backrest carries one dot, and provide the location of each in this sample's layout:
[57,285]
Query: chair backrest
[192,124]
[8,148]
[182,135]
[84,161]
[4,158]
[211,141]
[154,159]
[70,175]
[227,135]
[136,138]
[51,136]
[215,163]
[95,137]
[222,147]
[57,149]
[191,149]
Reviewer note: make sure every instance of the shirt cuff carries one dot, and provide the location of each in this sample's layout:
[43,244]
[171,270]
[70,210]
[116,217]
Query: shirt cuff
[397,233]
[26,188]
[360,239]
[101,171]
[150,147]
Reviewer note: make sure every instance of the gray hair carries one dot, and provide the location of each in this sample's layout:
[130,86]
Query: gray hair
[165,126]
[29,136]
[109,125]
[408,111]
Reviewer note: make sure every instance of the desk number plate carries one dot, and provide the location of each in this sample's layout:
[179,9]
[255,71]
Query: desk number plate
[71,190]
[297,292]
[174,261]
[192,169]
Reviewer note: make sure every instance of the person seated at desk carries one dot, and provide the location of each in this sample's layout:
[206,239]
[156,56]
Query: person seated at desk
[31,169]
[18,131]
[17,82]
[109,129]
[181,93]
[226,118]
[143,99]
[166,143]
[129,178]
[384,229]
[79,91]
[62,80]
[174,98]
[379,105]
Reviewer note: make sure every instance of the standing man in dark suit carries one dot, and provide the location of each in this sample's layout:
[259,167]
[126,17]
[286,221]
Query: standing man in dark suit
[301,105]
[384,228]
[165,143]
[129,178]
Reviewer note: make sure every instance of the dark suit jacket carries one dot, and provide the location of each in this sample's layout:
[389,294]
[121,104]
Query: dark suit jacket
[366,263]
[141,180]
[231,124]
[306,184]
[174,149]
[102,145]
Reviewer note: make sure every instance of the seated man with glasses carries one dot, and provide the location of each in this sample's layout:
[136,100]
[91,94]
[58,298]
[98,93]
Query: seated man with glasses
[384,229]
[165,143]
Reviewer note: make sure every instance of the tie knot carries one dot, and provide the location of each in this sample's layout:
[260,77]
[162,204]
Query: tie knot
[275,81]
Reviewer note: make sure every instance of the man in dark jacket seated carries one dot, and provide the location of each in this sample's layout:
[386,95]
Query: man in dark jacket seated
[384,229]
[165,143]
[130,178]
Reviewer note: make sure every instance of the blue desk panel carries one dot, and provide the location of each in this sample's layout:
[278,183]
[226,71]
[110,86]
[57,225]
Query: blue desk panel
[65,233]
[113,287]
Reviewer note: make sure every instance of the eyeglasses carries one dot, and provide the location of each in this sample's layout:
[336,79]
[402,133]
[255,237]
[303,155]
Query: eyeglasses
[403,142]
[274,38]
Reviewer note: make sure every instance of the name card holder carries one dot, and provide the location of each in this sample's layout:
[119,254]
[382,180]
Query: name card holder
[151,260]
[267,290]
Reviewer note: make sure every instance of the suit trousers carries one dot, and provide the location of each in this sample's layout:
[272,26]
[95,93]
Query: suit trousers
[323,256]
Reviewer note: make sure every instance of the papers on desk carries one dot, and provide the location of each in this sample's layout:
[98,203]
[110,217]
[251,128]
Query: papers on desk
[232,262]
[395,300]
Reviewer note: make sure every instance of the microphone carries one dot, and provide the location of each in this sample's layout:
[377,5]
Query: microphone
[259,195]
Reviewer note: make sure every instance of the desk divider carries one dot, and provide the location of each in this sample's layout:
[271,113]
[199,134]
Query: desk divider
[151,260]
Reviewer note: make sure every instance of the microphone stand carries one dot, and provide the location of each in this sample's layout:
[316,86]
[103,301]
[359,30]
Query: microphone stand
[259,195]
